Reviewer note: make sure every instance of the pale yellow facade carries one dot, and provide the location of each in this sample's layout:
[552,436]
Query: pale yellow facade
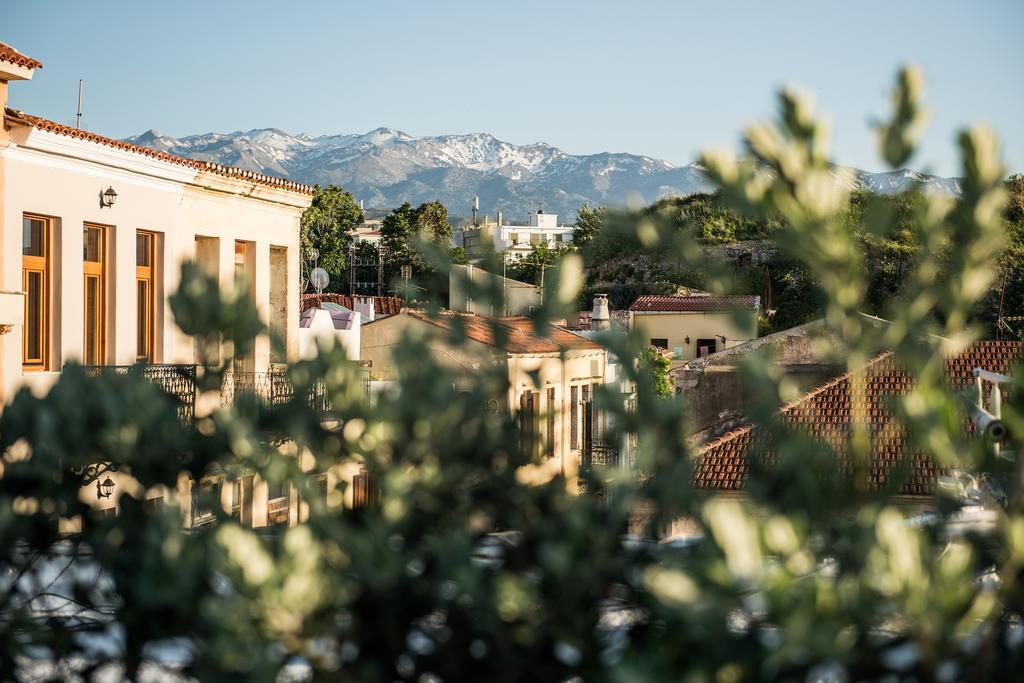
[686,333]
[504,296]
[553,380]
[106,268]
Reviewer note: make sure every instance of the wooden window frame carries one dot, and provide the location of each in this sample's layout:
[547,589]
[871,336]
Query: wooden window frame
[146,274]
[94,269]
[42,265]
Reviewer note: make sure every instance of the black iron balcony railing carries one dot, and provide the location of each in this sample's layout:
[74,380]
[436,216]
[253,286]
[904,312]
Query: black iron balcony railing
[274,388]
[178,381]
[600,458]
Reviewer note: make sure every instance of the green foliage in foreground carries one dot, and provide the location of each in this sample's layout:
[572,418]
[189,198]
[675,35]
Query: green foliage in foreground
[794,581]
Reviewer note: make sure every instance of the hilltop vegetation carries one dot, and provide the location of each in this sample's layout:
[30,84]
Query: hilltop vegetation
[737,253]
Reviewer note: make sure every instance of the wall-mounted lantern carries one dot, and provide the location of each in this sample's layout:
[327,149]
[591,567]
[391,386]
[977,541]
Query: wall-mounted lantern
[104,489]
[687,339]
[107,198]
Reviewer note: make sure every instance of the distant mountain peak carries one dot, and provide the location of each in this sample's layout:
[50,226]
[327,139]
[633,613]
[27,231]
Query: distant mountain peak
[386,166]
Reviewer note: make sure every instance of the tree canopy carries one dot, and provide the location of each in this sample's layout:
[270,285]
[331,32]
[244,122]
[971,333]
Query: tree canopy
[327,227]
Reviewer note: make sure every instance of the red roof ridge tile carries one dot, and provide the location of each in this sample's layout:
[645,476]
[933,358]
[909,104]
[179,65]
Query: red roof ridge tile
[839,379]
[694,302]
[20,117]
[9,54]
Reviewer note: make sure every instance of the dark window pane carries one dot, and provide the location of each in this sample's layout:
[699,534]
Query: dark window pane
[143,249]
[574,418]
[92,244]
[145,315]
[34,316]
[33,238]
[92,321]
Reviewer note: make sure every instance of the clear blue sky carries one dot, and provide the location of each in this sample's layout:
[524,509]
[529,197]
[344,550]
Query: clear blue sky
[664,79]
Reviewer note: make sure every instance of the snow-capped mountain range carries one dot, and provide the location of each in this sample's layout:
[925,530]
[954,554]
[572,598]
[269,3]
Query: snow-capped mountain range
[386,167]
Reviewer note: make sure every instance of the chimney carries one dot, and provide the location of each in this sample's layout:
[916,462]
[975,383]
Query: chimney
[363,305]
[499,218]
[600,318]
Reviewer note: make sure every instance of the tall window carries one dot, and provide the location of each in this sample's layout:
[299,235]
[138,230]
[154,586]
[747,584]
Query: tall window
[574,417]
[145,257]
[278,502]
[529,412]
[279,304]
[94,257]
[549,446]
[245,276]
[35,275]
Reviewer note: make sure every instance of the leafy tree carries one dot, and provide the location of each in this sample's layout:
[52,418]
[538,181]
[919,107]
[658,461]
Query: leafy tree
[589,222]
[327,226]
[432,224]
[541,257]
[397,232]
[406,232]
[654,369]
[457,256]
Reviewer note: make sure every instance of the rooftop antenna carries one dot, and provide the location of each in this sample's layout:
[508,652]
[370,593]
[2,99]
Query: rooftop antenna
[476,208]
[78,116]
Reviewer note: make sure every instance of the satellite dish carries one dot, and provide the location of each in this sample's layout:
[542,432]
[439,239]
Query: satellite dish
[319,278]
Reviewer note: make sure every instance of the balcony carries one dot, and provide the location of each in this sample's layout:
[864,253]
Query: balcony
[177,381]
[600,458]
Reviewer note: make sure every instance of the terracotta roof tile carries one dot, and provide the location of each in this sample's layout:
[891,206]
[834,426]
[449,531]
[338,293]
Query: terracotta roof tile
[697,304]
[827,412]
[9,54]
[382,305]
[518,332]
[21,118]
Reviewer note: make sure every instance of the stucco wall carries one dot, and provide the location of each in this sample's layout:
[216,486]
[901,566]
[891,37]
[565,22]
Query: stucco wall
[61,178]
[520,298]
[675,327]
[558,371]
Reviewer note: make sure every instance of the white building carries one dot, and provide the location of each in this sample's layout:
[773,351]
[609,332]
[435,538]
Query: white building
[93,232]
[368,231]
[516,241]
[327,325]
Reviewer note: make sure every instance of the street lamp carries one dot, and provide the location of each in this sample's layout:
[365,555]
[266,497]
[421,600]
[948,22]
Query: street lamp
[108,197]
[104,489]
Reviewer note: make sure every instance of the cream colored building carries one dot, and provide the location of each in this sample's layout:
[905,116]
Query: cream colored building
[93,232]
[519,298]
[552,374]
[696,324]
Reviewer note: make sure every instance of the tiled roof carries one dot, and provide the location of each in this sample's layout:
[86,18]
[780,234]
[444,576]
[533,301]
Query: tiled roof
[827,412]
[696,304]
[382,305]
[9,54]
[520,336]
[16,117]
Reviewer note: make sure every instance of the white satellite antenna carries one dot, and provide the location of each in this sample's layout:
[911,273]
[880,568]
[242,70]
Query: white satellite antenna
[320,279]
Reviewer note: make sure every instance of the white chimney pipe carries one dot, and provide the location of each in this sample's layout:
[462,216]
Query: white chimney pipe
[363,305]
[600,318]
